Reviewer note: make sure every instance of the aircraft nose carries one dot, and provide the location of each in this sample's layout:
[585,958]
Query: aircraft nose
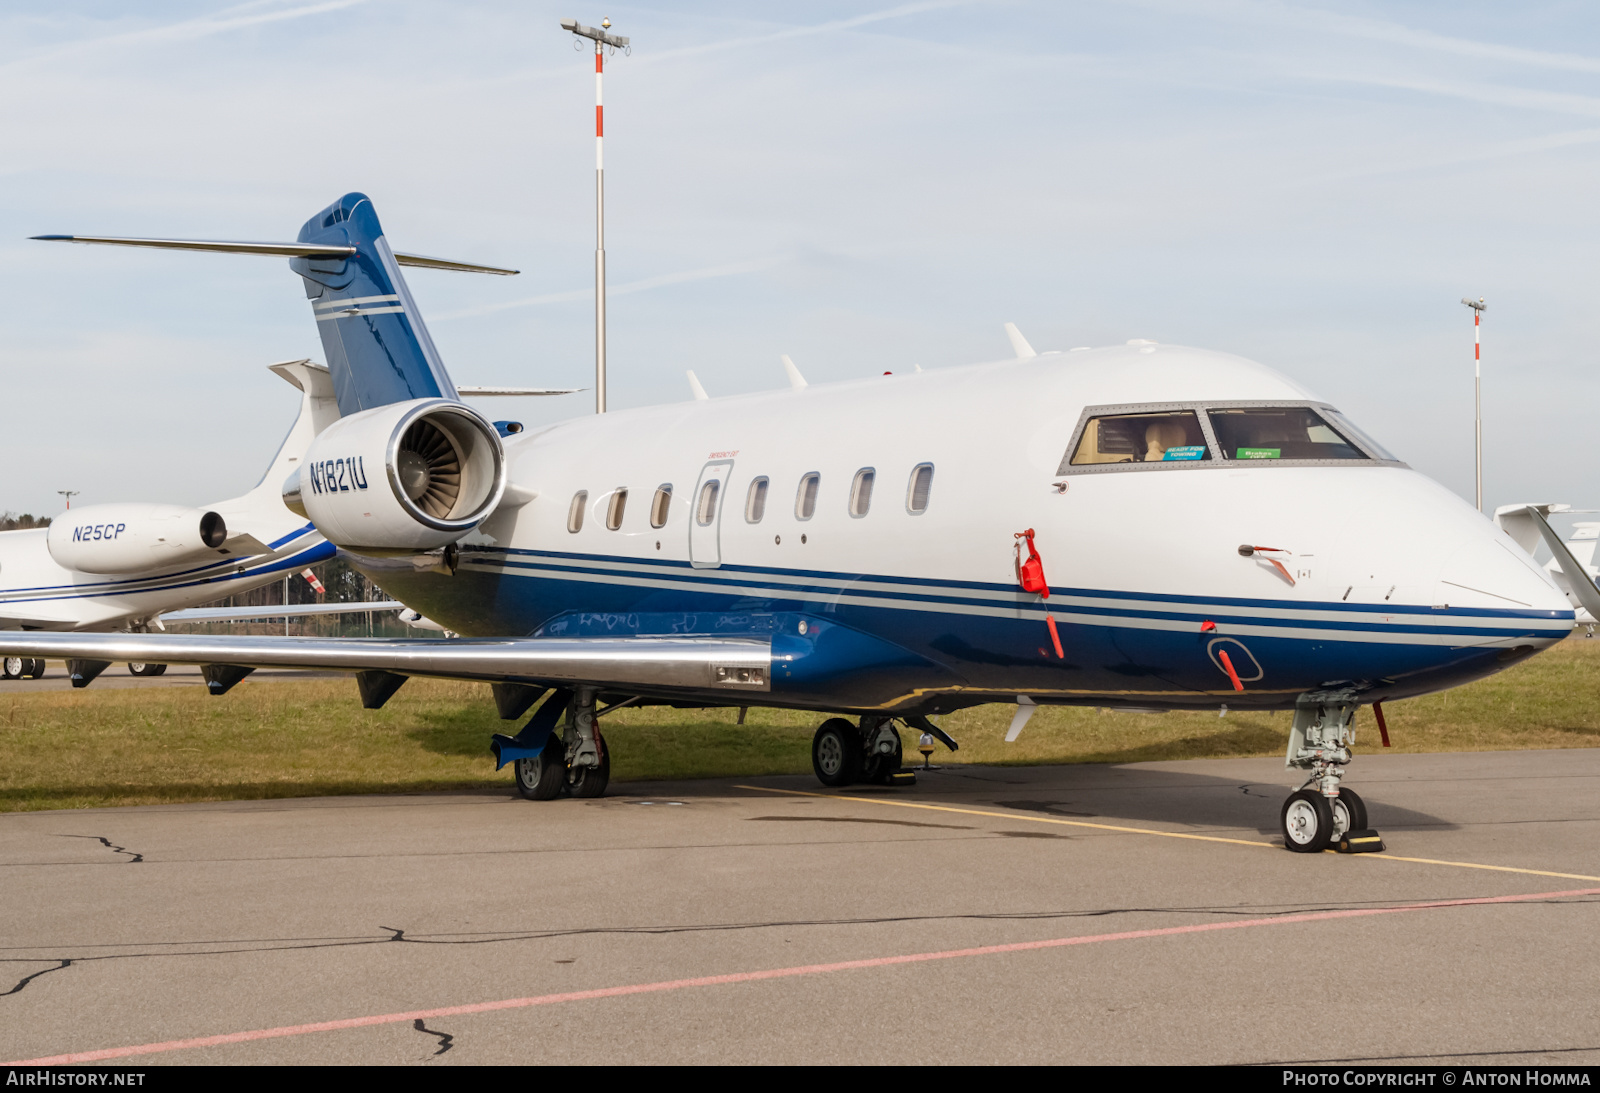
[1489,570]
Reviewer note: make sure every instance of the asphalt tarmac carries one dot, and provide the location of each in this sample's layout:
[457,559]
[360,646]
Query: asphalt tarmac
[1086,914]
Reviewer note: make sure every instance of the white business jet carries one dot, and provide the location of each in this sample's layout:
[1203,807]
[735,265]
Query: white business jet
[131,565]
[1136,526]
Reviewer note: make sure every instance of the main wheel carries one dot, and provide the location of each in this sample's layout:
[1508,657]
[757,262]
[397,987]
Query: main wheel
[137,668]
[836,753]
[11,668]
[1307,822]
[591,781]
[34,669]
[543,777]
[1349,813]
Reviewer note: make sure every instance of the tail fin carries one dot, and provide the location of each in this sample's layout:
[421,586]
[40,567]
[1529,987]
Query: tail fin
[318,410]
[377,347]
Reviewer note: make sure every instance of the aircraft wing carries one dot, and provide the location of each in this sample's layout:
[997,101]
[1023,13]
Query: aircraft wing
[649,664]
[293,611]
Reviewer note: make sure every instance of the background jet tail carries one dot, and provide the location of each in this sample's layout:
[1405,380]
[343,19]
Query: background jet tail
[378,349]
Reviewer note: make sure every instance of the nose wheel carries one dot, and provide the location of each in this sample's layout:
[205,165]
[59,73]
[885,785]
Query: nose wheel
[1322,813]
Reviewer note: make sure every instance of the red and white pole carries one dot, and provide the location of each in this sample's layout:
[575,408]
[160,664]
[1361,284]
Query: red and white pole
[599,232]
[1478,308]
[602,37]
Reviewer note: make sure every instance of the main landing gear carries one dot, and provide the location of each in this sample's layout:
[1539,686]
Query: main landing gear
[22,668]
[843,753]
[1321,813]
[577,761]
[138,668]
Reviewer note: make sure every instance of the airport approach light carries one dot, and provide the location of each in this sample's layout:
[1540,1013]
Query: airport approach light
[69,495]
[1478,308]
[602,38]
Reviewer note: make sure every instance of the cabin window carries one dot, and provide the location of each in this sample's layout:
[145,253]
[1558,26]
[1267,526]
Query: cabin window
[705,510]
[660,505]
[619,501]
[861,491]
[1169,436]
[918,488]
[1279,432]
[580,501]
[755,502]
[805,498]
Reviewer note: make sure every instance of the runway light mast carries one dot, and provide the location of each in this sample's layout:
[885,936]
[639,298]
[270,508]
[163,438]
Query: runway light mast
[602,38]
[1478,308]
[69,495]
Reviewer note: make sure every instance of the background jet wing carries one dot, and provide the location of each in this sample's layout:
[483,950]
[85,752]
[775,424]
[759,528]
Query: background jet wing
[648,663]
[293,611]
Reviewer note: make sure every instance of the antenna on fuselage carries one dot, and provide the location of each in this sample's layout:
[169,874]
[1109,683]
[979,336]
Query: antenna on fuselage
[1019,344]
[796,380]
[695,388]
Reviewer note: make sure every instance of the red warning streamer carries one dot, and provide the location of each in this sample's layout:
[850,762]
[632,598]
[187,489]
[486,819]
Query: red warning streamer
[1030,574]
[1383,726]
[1227,666]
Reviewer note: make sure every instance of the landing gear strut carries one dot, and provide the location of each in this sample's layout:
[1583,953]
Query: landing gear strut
[1320,813]
[842,753]
[588,759]
[575,760]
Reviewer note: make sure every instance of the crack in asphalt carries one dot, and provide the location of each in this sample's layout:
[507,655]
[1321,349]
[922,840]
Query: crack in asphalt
[396,934]
[446,1041]
[23,982]
[109,845]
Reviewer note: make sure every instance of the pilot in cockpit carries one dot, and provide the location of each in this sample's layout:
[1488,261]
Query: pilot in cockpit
[1161,435]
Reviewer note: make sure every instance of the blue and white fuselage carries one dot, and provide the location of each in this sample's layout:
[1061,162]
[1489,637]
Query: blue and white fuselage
[1385,580]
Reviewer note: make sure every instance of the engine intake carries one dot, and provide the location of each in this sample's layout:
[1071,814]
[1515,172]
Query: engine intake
[400,478]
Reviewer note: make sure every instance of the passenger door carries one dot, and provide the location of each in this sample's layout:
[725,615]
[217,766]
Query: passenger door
[705,514]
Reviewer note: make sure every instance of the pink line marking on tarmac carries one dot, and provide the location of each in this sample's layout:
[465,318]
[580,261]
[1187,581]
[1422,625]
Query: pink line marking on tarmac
[773,973]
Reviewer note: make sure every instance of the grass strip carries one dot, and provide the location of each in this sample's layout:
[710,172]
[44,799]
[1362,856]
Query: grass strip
[162,744]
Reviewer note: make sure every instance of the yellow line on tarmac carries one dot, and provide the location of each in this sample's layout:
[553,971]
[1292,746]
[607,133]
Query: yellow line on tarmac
[1011,816]
[1151,831]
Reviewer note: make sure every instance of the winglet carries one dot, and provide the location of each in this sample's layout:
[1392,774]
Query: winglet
[1019,344]
[694,386]
[796,380]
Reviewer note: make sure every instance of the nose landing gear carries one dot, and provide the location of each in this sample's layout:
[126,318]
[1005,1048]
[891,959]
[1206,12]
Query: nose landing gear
[1320,814]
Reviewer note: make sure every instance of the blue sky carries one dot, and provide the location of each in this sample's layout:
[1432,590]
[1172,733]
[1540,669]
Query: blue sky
[862,187]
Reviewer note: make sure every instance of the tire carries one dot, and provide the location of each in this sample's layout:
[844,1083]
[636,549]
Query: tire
[34,669]
[11,668]
[836,753]
[1349,813]
[1306,822]
[543,777]
[591,781]
[136,668]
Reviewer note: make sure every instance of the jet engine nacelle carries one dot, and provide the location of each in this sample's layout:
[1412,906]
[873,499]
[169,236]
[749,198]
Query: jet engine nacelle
[134,537]
[400,478]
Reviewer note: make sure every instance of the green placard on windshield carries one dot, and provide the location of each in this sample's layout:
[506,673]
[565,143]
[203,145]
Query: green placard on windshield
[1258,453]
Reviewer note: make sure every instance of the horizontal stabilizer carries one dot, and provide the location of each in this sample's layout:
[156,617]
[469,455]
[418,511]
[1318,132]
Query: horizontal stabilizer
[641,664]
[495,392]
[285,250]
[293,611]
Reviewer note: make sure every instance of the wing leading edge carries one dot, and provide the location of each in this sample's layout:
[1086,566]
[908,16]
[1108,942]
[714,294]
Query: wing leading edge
[650,664]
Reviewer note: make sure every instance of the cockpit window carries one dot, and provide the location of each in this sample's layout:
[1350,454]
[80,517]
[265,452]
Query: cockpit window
[1279,432]
[1171,436]
[1344,425]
